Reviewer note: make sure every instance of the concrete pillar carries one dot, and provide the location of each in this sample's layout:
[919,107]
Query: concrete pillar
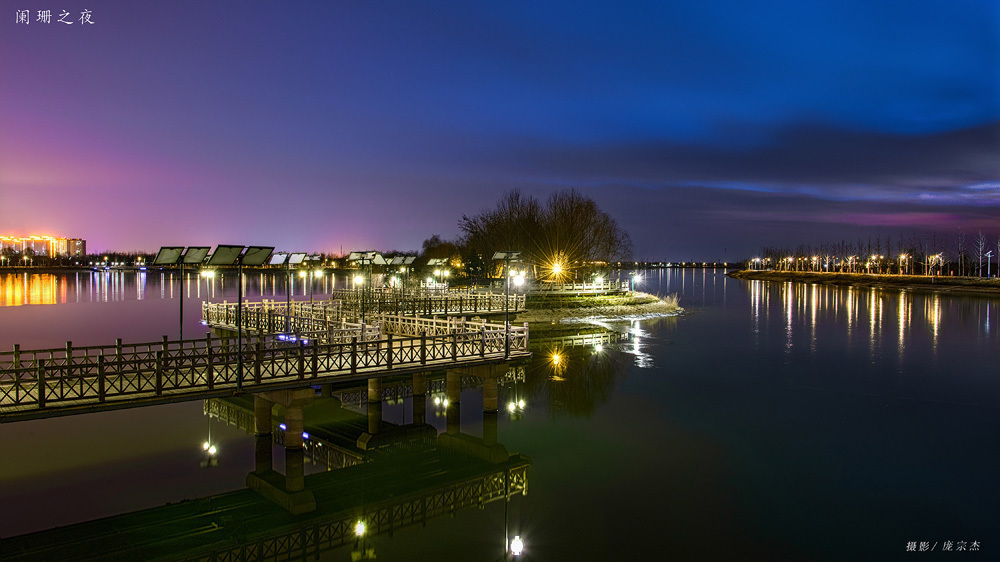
[453,386]
[290,494]
[261,415]
[326,390]
[262,431]
[374,390]
[491,394]
[262,453]
[420,383]
[374,417]
[294,455]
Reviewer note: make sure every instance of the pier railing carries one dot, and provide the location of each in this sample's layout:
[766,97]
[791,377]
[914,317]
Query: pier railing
[165,371]
[410,303]
[602,288]
[322,321]
[399,325]
[260,319]
[271,317]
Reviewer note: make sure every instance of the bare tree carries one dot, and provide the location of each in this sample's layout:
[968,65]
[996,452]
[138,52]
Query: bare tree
[980,246]
[961,252]
[570,228]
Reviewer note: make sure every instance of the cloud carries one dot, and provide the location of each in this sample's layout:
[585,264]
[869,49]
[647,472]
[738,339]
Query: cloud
[827,163]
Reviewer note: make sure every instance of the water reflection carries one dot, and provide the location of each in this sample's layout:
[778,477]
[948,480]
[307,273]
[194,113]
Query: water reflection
[18,289]
[764,399]
[846,317]
[369,479]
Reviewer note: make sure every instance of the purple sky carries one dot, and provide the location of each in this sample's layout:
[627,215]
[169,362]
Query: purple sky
[708,130]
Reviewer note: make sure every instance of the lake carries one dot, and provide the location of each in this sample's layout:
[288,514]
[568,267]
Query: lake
[767,421]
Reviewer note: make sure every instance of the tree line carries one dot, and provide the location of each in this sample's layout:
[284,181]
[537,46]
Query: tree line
[914,255]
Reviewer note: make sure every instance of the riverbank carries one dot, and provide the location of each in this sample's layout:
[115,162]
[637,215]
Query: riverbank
[937,283]
[547,319]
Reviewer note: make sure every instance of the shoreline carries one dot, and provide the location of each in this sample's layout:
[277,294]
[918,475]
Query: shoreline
[973,286]
[551,319]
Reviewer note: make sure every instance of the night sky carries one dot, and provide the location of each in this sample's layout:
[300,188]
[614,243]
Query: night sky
[707,129]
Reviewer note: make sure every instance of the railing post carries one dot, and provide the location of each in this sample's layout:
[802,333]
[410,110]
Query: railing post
[354,355]
[315,358]
[388,352]
[40,375]
[454,345]
[423,347]
[69,359]
[159,373]
[100,378]
[17,356]
[209,368]
[482,342]
[118,356]
[302,359]
[257,359]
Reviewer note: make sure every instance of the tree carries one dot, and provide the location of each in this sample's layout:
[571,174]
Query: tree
[980,246]
[570,229]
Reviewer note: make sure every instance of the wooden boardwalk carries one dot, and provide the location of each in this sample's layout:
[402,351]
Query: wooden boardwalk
[49,382]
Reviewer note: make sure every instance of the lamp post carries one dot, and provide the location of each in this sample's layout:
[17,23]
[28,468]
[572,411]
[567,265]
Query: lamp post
[177,255]
[370,259]
[239,255]
[506,257]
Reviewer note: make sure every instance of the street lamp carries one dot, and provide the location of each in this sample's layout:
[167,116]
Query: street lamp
[253,256]
[176,255]
[506,257]
[370,259]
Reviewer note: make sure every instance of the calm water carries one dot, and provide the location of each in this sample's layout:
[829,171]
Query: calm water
[769,421]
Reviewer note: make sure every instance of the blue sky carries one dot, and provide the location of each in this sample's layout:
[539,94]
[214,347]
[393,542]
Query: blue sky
[708,130]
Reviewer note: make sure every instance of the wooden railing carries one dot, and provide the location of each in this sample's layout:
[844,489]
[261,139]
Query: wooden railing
[399,325]
[390,302]
[164,371]
[579,288]
[320,321]
[271,317]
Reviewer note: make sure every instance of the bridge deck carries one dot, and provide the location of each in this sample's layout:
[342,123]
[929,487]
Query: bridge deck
[50,382]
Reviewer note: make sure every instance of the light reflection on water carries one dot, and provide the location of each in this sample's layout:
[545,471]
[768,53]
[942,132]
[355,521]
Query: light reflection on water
[802,413]
[18,289]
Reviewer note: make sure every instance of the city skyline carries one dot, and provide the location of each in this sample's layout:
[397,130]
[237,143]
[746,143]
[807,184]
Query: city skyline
[707,132]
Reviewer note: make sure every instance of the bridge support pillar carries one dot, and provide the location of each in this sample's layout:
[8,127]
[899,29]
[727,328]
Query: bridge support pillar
[262,433]
[491,394]
[288,491]
[374,410]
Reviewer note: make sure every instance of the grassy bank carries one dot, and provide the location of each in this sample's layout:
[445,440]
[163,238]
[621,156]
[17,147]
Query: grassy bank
[547,315]
[956,285]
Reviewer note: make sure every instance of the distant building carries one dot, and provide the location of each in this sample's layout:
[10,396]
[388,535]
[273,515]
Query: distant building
[45,245]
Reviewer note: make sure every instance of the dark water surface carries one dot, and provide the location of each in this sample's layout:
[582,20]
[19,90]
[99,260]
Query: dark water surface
[768,421]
